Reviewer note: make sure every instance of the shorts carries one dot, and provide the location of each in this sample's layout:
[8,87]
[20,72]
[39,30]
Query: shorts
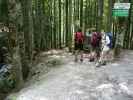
[78,46]
[106,49]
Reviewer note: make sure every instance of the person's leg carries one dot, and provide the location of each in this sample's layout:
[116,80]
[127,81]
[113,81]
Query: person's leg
[81,55]
[97,54]
[78,48]
[76,55]
[76,52]
[106,55]
[92,54]
[100,60]
[103,55]
[81,52]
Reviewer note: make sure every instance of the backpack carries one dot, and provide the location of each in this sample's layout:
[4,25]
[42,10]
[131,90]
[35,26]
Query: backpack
[110,35]
[95,39]
[79,37]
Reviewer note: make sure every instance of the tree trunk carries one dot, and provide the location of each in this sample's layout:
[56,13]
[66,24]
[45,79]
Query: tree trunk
[100,15]
[109,21]
[60,23]
[67,9]
[28,36]
[81,13]
[17,48]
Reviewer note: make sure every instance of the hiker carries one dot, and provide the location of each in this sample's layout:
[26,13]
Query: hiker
[79,40]
[95,45]
[107,45]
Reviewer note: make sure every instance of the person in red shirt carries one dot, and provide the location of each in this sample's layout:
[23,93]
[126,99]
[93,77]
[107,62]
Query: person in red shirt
[79,40]
[95,45]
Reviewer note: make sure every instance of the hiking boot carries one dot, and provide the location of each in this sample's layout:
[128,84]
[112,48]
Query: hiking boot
[104,63]
[92,60]
[81,59]
[98,64]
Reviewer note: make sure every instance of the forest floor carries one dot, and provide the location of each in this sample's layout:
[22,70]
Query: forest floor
[63,79]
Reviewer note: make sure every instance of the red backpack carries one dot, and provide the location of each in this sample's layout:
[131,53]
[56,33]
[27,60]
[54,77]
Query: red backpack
[79,37]
[95,39]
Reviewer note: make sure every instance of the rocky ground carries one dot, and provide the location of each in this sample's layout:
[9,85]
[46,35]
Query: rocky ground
[58,77]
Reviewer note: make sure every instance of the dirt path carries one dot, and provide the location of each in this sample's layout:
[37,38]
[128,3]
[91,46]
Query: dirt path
[82,81]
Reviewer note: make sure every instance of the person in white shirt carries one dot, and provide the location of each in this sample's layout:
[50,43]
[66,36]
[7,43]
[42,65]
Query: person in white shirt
[105,50]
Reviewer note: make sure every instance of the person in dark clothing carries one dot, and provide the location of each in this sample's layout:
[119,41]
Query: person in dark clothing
[95,45]
[79,40]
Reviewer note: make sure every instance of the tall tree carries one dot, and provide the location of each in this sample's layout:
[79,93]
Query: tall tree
[100,15]
[131,25]
[70,25]
[81,13]
[28,35]
[67,9]
[60,18]
[109,22]
[17,45]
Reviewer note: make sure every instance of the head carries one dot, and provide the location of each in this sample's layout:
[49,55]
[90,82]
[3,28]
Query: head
[103,32]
